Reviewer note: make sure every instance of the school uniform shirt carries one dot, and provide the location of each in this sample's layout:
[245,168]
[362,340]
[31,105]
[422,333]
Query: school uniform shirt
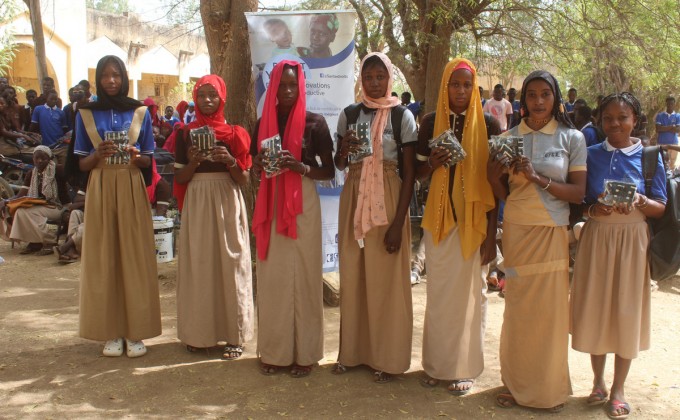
[569,106]
[500,111]
[112,120]
[607,162]
[172,120]
[52,122]
[554,150]
[666,119]
[409,131]
[590,133]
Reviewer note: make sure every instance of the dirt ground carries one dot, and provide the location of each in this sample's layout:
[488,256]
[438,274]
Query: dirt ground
[47,371]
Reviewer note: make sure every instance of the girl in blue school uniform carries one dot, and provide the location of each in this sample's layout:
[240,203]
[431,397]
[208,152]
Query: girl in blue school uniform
[610,295]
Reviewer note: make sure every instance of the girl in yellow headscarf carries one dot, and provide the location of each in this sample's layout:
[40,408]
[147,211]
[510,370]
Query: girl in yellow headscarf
[459,231]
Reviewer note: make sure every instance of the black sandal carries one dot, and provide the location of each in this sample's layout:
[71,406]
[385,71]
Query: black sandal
[232,352]
[382,377]
[299,371]
[338,369]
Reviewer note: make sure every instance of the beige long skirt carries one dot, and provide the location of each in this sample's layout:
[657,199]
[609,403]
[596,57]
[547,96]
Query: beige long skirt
[290,290]
[118,280]
[610,294]
[376,313]
[214,271]
[30,224]
[535,333]
[453,340]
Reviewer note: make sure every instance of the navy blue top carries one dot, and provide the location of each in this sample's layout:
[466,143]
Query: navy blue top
[52,122]
[112,120]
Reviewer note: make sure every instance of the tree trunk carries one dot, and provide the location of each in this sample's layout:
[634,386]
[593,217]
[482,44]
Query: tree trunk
[226,34]
[437,58]
[38,38]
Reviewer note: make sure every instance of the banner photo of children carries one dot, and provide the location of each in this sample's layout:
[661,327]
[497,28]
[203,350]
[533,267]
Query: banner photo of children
[323,42]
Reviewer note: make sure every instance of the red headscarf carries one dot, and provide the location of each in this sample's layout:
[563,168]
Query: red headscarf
[153,111]
[181,109]
[235,137]
[289,187]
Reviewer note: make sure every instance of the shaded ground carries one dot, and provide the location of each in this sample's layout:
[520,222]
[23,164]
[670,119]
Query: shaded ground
[46,371]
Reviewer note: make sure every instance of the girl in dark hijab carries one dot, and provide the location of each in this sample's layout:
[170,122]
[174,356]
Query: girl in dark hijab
[119,301]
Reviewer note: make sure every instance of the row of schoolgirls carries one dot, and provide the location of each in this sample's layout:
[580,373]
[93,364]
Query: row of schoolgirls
[608,311]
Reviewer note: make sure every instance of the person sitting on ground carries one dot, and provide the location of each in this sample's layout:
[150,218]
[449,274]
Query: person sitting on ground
[13,108]
[49,120]
[11,141]
[69,251]
[29,224]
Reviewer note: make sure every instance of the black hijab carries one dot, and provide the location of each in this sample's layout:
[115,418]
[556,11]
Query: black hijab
[558,111]
[120,102]
[104,102]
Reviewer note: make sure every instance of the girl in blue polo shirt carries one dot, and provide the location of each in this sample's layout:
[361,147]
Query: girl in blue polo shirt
[610,301]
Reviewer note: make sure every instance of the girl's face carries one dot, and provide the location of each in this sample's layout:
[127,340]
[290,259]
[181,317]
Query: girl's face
[540,100]
[618,121]
[207,100]
[374,80]
[40,160]
[111,79]
[288,91]
[460,90]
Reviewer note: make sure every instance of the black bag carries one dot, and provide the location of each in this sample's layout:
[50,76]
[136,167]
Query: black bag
[664,244]
[352,114]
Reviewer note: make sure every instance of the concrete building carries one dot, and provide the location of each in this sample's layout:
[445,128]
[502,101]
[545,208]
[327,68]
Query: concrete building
[160,59]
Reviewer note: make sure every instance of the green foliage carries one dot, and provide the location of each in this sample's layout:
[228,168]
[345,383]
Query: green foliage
[186,12]
[111,6]
[8,10]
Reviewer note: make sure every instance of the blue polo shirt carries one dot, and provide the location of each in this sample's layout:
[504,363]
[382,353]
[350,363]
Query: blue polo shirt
[608,162]
[666,119]
[112,120]
[52,122]
[590,133]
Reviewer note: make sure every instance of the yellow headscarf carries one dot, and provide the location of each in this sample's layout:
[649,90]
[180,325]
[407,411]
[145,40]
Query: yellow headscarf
[472,195]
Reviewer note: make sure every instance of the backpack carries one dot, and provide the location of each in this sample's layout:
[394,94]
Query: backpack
[352,114]
[664,244]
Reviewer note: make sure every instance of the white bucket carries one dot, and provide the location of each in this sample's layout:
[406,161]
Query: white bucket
[162,232]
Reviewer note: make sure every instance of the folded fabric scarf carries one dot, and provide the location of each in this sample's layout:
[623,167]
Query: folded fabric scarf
[472,195]
[371,211]
[289,185]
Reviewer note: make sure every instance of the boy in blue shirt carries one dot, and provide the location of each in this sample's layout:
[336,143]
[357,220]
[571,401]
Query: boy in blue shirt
[49,120]
[668,127]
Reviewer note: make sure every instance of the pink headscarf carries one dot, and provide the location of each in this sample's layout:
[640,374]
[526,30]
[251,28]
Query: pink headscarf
[370,211]
[289,185]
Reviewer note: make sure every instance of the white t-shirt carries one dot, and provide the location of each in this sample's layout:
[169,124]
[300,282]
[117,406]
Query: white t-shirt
[500,110]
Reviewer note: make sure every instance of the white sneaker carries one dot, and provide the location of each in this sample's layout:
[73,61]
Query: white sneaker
[135,348]
[113,348]
[415,278]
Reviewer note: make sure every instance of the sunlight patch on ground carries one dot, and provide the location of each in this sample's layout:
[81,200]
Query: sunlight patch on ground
[153,369]
[10,385]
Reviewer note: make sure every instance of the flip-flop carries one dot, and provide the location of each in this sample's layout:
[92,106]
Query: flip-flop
[505,400]
[614,405]
[29,250]
[299,371]
[460,392]
[44,251]
[429,382]
[268,370]
[382,377]
[597,397]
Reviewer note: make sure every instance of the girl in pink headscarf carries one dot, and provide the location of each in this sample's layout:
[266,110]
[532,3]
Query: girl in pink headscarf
[374,231]
[287,226]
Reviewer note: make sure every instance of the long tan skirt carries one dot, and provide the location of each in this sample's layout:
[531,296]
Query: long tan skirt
[376,313]
[118,279]
[214,277]
[453,341]
[610,294]
[535,333]
[290,290]
[30,224]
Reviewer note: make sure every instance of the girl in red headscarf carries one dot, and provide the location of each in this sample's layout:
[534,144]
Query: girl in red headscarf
[214,282]
[374,232]
[287,226]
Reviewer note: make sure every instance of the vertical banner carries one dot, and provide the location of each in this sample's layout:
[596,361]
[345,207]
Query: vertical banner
[323,42]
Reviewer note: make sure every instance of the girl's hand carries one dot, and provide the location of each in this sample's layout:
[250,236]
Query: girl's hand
[349,143]
[392,239]
[134,153]
[439,156]
[599,209]
[105,149]
[221,154]
[496,168]
[195,156]
[288,161]
[522,164]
